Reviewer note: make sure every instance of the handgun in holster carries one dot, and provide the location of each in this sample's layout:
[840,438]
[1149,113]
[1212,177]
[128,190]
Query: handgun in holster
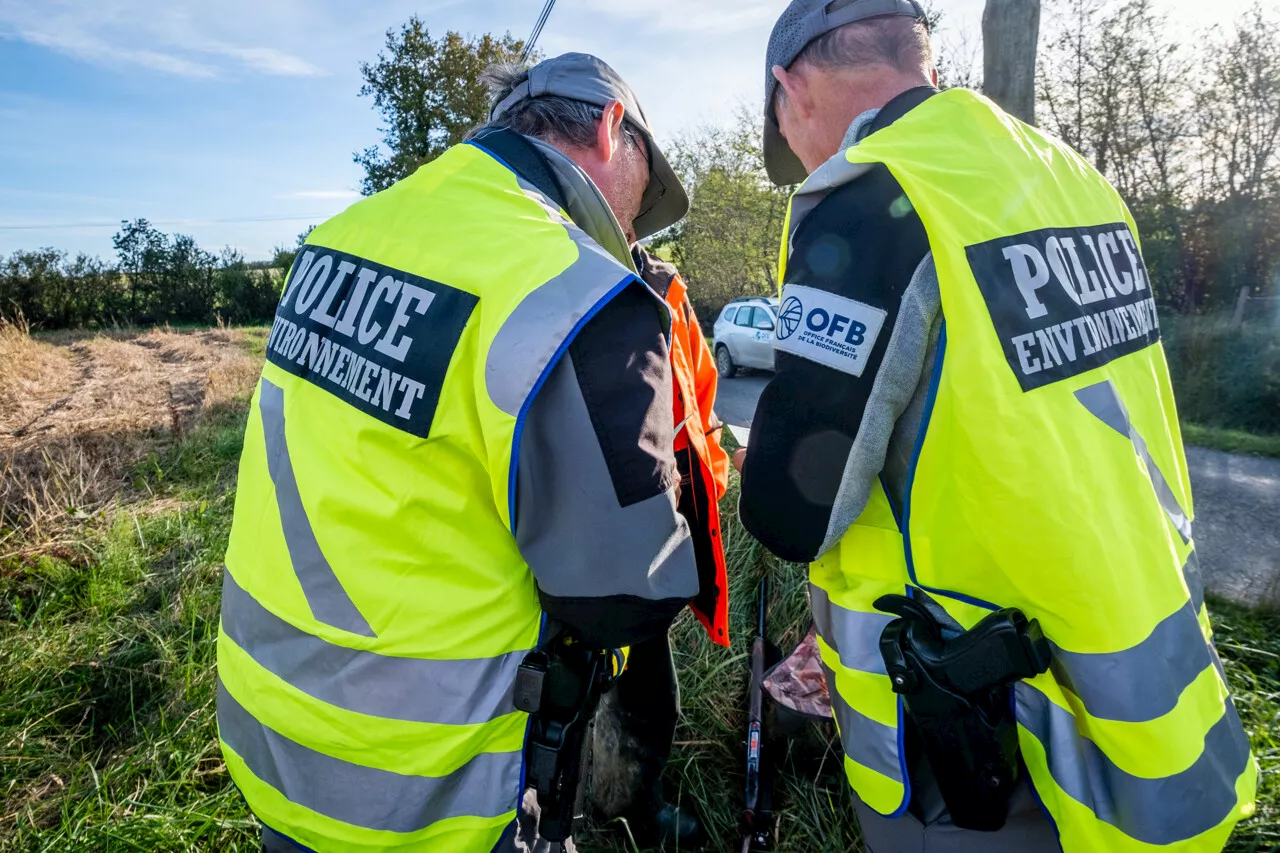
[559,684]
[956,687]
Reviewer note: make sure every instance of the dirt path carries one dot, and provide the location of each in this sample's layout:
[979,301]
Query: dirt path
[76,410]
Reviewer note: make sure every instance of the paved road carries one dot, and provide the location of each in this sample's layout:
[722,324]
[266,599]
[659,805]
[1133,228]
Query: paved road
[736,398]
[1237,499]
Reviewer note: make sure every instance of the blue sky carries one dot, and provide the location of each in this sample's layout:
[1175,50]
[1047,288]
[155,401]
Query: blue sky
[195,113]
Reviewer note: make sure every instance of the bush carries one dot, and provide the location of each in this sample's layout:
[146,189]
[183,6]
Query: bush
[1224,376]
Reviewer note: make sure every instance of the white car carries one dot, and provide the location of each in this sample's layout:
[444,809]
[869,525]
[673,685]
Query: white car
[744,335]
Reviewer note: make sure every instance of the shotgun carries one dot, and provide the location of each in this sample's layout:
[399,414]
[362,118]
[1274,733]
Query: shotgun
[757,817]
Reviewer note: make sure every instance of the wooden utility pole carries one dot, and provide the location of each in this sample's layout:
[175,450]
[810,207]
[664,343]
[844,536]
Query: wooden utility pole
[1010,34]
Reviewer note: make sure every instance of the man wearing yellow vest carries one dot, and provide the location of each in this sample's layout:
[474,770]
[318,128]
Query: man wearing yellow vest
[972,439]
[458,490]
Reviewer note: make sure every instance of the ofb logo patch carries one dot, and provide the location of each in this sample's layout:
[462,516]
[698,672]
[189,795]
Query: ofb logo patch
[1065,300]
[789,317]
[829,329]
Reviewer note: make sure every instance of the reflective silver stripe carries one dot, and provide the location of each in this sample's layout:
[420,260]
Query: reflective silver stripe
[1104,402]
[1154,811]
[1143,682]
[1195,581]
[868,742]
[486,786]
[855,636]
[531,337]
[329,602]
[450,692]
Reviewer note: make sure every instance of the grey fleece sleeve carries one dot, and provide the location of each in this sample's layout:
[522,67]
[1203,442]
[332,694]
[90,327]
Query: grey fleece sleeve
[596,515]
[859,307]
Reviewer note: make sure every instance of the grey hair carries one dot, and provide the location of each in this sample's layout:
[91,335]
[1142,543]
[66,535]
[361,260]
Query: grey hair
[899,42]
[895,41]
[549,118]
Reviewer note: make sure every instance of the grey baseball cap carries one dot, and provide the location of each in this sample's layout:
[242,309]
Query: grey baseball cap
[586,78]
[802,22]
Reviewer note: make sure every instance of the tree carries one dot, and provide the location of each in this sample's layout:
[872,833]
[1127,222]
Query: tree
[139,246]
[728,244]
[284,256]
[1188,135]
[1237,114]
[1010,35]
[429,94]
[245,295]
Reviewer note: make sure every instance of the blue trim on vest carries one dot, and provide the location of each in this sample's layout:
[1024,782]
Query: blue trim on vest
[902,762]
[555,358]
[505,840]
[474,144]
[934,381]
[542,379]
[288,838]
[1031,782]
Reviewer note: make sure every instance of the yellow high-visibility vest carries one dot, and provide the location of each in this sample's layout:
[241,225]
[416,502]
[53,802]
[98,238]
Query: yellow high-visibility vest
[1048,475]
[375,604]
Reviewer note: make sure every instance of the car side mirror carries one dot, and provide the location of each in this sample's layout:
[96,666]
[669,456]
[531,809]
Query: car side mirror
[765,326]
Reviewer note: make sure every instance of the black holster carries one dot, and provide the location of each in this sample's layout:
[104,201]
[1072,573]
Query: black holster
[559,684]
[956,687]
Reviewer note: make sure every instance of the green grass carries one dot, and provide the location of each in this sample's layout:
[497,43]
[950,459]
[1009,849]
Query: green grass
[107,680]
[1230,440]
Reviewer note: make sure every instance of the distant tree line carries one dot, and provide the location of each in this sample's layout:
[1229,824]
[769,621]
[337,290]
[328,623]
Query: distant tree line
[1188,133]
[155,278]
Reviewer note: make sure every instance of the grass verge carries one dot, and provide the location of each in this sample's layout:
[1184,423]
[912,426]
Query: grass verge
[1230,440]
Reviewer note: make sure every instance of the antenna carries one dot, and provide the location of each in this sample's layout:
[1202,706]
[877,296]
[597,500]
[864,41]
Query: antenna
[537,31]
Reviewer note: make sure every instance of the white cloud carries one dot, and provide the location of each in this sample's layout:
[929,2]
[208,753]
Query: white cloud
[92,49]
[182,37]
[269,60]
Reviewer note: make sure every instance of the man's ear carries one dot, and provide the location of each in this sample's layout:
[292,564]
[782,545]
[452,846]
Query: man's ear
[796,88]
[609,131]
[933,76]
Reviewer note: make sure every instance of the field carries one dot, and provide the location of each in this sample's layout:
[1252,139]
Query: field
[118,453]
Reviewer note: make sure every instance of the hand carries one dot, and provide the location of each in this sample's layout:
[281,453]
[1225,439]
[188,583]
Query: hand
[739,458]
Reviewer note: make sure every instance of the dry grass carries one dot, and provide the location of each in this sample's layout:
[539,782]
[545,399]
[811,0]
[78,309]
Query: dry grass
[78,410]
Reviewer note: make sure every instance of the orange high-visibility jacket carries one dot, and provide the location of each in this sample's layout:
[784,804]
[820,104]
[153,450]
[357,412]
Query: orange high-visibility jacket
[703,463]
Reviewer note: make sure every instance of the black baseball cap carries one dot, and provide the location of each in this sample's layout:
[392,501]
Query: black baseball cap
[802,22]
[586,78]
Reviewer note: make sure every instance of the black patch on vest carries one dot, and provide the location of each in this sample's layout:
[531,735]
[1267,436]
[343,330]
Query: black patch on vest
[1066,300]
[375,337]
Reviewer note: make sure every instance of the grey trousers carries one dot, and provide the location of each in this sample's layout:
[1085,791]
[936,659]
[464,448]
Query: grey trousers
[1029,830]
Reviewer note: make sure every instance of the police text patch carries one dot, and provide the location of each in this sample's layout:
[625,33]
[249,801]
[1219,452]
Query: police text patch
[1066,300]
[826,328]
[377,338]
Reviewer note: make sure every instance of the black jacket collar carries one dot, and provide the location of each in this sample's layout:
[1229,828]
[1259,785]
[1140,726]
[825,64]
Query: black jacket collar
[522,157]
[900,106]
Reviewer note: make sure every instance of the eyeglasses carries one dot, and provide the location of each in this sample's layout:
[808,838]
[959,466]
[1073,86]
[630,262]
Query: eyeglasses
[637,139]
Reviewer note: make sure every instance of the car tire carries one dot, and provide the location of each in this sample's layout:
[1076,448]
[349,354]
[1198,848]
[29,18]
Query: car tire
[724,363]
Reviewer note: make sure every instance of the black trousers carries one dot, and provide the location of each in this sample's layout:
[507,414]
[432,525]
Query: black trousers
[274,842]
[634,730]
